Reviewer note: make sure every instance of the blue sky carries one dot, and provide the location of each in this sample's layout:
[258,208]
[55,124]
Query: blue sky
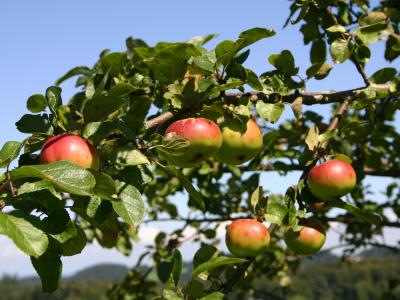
[41,40]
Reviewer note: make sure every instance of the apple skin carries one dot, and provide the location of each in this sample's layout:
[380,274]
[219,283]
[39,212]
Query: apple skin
[238,147]
[247,238]
[72,148]
[334,178]
[204,136]
[309,240]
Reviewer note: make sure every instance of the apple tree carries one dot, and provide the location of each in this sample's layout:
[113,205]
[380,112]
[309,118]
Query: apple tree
[180,118]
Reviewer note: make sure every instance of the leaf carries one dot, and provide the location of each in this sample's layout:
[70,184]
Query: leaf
[343,157]
[171,268]
[253,35]
[200,40]
[336,28]
[327,135]
[318,51]
[49,267]
[284,62]
[312,137]
[36,103]
[276,212]
[101,106]
[9,152]
[82,70]
[193,193]
[76,244]
[268,111]
[171,295]
[204,63]
[383,75]
[105,186]
[360,214]
[214,296]
[171,61]
[65,175]
[20,227]
[53,97]
[204,254]
[340,50]
[34,124]
[128,156]
[374,21]
[319,70]
[216,262]
[297,107]
[256,197]
[113,63]
[131,206]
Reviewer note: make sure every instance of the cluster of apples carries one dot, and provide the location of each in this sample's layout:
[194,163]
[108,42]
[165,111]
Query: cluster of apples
[230,144]
[331,179]
[244,237]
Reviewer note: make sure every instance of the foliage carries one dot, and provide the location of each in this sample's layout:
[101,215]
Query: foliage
[126,100]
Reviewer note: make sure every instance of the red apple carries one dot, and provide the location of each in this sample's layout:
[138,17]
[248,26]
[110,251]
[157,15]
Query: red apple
[72,148]
[334,178]
[308,240]
[239,146]
[204,136]
[247,238]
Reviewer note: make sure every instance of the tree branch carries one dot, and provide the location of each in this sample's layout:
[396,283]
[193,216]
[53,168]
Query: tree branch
[308,99]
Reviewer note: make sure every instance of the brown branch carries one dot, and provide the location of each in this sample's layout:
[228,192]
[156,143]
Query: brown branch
[308,99]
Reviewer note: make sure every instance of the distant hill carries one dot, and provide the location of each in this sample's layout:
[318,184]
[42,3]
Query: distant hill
[103,272]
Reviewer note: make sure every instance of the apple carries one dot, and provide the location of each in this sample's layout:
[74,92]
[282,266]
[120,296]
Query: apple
[247,238]
[72,148]
[308,240]
[204,136]
[334,178]
[238,146]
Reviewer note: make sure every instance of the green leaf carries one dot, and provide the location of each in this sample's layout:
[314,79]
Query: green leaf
[336,28]
[284,62]
[318,51]
[128,156]
[297,107]
[49,267]
[82,70]
[171,61]
[131,206]
[200,40]
[171,295]
[20,227]
[65,175]
[113,63]
[171,268]
[105,186]
[270,112]
[374,21]
[225,51]
[53,97]
[204,254]
[74,244]
[253,35]
[216,262]
[343,157]
[327,135]
[276,212]
[101,106]
[9,152]
[256,197]
[312,137]
[204,63]
[383,75]
[360,214]
[214,296]
[36,103]
[319,70]
[340,50]
[34,124]
[193,193]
